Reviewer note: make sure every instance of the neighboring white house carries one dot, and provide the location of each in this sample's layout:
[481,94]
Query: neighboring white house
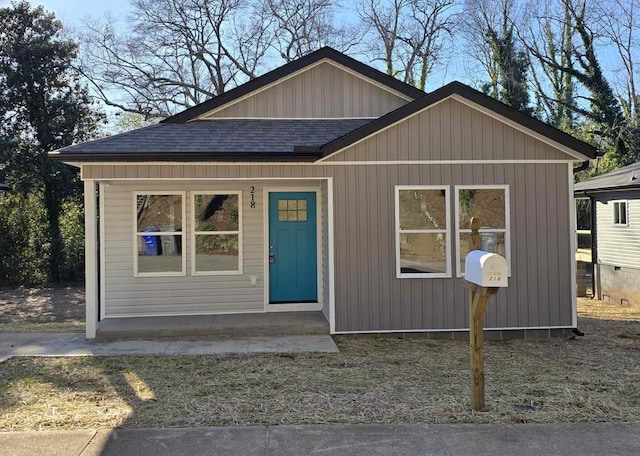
[615,202]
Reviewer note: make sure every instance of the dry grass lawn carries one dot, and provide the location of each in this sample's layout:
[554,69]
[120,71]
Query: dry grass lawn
[372,380]
[51,309]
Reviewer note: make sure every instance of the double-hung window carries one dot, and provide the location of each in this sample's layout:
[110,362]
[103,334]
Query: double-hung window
[490,203]
[217,239]
[620,213]
[159,234]
[422,232]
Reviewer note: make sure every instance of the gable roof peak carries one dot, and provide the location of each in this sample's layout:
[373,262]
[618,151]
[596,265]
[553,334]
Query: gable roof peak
[474,96]
[293,67]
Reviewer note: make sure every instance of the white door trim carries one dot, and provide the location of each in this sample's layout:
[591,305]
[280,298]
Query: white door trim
[291,307]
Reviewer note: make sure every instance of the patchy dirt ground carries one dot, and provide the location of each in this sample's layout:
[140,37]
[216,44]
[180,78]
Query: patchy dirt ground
[49,309]
[371,380]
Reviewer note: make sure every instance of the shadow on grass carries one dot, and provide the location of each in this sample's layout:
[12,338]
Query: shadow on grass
[372,380]
[50,309]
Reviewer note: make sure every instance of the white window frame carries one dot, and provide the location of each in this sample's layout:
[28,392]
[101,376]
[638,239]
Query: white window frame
[447,232]
[507,222]
[626,212]
[194,233]
[137,234]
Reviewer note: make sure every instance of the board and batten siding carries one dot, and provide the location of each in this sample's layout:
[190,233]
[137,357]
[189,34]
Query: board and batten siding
[323,91]
[368,296]
[619,245]
[450,130]
[126,295]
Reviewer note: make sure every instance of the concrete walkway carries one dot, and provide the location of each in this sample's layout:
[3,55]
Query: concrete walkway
[40,344]
[343,440]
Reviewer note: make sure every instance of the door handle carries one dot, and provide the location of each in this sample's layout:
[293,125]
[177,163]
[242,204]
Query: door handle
[272,258]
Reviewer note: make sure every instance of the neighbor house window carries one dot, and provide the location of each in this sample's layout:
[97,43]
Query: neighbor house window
[490,203]
[620,213]
[422,232]
[217,240]
[159,234]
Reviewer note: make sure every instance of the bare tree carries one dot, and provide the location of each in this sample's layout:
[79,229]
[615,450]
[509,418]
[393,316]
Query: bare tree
[383,18]
[550,32]
[597,102]
[620,25]
[302,26]
[490,27]
[408,36]
[174,54]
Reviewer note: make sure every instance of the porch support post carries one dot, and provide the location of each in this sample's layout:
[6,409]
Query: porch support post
[331,258]
[91,258]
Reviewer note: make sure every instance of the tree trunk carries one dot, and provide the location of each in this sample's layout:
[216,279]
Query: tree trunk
[54,208]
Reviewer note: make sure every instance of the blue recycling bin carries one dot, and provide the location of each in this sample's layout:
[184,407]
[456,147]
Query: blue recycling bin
[151,243]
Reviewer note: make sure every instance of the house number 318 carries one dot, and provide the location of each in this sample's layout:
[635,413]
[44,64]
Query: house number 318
[253,197]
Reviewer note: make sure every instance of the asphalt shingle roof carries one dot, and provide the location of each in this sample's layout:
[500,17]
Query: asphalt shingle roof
[623,178]
[241,138]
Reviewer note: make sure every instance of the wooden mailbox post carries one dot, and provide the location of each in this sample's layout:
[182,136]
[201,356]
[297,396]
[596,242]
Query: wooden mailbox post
[488,270]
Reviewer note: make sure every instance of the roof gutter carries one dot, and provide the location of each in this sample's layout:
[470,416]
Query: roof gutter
[587,192]
[583,166]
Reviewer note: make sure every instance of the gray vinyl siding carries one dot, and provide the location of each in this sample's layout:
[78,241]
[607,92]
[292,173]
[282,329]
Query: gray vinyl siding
[368,297]
[618,245]
[437,134]
[126,295]
[324,91]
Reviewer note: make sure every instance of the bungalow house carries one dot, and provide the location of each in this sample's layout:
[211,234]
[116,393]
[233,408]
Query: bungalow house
[615,233]
[326,186]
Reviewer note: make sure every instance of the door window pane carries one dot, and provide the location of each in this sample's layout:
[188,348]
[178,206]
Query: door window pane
[292,210]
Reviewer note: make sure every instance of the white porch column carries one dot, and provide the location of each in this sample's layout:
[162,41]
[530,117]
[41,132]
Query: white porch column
[331,259]
[91,258]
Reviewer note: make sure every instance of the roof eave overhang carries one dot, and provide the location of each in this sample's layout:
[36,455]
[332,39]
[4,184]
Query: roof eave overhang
[297,156]
[599,191]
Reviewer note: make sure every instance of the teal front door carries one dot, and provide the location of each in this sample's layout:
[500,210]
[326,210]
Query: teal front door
[293,249]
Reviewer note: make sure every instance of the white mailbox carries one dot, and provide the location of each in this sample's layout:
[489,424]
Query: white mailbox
[486,269]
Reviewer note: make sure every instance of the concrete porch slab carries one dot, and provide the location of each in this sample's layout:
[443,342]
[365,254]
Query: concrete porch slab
[232,325]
